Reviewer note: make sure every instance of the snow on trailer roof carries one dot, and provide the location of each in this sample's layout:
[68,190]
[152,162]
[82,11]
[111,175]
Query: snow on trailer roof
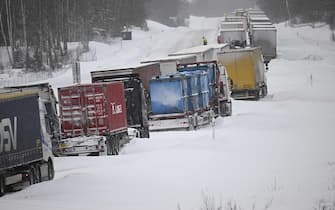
[264,29]
[193,50]
[259,18]
[167,58]
[124,67]
[232,29]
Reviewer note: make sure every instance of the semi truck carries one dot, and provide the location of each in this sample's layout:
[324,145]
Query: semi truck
[27,128]
[93,119]
[190,98]
[136,82]
[246,72]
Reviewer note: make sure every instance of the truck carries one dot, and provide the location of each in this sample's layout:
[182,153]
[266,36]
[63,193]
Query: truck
[190,98]
[26,130]
[234,33]
[93,119]
[246,72]
[265,36]
[136,82]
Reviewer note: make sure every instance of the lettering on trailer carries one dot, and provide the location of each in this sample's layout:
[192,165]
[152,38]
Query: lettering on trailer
[116,109]
[8,134]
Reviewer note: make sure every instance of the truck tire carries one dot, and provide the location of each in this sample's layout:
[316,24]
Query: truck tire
[144,132]
[116,146]
[51,170]
[222,108]
[2,186]
[230,109]
[109,145]
[38,175]
[31,176]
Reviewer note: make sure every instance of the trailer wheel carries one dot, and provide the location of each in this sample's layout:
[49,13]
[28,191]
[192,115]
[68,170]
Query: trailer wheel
[144,132]
[108,145]
[2,186]
[51,170]
[230,109]
[38,175]
[31,176]
[116,146]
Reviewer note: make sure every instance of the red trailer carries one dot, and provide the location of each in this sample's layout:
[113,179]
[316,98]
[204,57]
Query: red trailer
[93,118]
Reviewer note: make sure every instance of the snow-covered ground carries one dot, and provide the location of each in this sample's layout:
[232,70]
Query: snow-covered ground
[276,153]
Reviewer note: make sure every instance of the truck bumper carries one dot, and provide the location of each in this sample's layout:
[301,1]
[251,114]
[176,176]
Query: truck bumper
[82,146]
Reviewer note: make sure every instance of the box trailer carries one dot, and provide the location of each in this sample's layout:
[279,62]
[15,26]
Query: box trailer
[265,37]
[136,82]
[26,130]
[93,119]
[246,72]
[168,64]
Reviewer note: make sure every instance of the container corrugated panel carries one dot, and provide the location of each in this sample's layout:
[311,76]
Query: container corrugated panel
[204,90]
[93,109]
[192,90]
[168,95]
[20,119]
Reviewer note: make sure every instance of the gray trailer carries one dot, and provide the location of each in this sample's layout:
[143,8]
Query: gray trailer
[266,38]
[26,130]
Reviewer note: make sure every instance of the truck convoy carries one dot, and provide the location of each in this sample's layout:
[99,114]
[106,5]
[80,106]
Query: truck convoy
[246,71]
[190,98]
[93,119]
[27,128]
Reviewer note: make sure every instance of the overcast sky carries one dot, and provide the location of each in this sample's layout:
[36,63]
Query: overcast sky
[219,7]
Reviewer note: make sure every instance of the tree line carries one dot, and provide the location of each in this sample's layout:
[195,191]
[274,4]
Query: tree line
[300,11]
[36,33]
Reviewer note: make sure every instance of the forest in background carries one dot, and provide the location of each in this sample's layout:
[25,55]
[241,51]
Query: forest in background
[300,11]
[36,33]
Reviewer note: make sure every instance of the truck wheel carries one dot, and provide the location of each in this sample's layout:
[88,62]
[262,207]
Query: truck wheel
[223,110]
[2,186]
[108,145]
[230,109]
[51,170]
[144,132]
[116,146]
[32,176]
[38,176]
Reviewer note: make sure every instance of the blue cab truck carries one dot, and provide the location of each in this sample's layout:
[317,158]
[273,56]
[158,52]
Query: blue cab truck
[190,98]
[28,123]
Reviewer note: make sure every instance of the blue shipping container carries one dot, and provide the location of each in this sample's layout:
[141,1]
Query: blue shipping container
[168,95]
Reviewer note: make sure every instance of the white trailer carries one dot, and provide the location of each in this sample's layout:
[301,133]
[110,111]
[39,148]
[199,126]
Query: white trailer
[266,38]
[168,64]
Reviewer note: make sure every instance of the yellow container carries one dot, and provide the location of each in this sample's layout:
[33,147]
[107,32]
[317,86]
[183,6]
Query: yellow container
[246,72]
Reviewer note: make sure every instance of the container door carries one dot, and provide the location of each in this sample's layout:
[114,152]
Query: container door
[96,118]
[71,106]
